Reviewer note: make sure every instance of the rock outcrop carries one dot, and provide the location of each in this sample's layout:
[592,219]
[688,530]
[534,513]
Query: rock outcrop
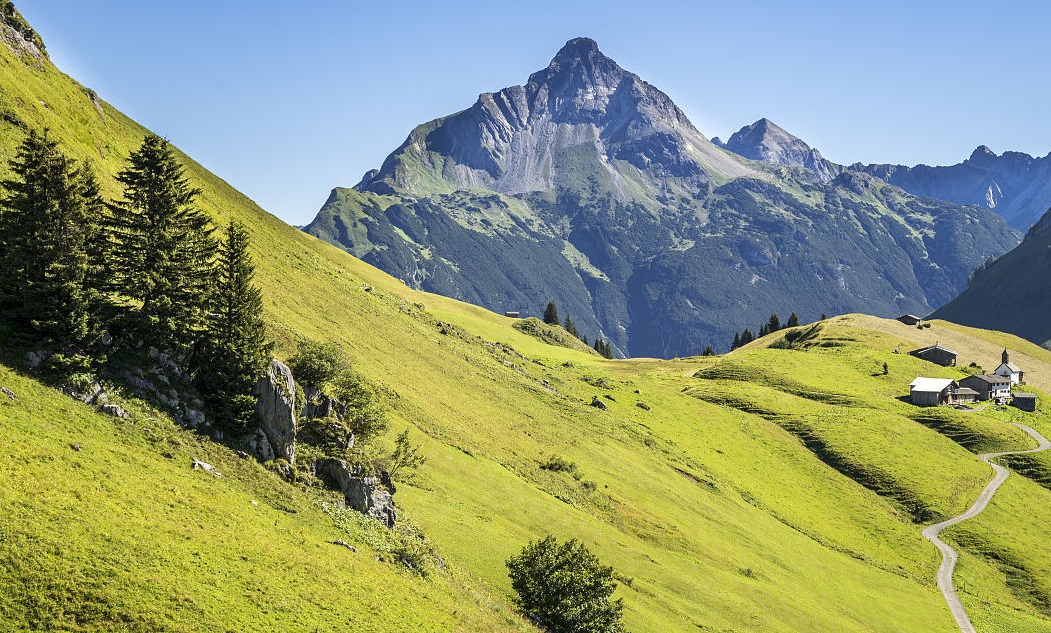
[365,494]
[275,409]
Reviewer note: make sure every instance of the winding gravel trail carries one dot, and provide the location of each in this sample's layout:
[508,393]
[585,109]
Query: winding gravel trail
[948,553]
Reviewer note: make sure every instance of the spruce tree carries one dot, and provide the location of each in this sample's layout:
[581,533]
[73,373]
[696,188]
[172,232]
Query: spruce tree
[49,231]
[572,329]
[737,341]
[708,351]
[774,324]
[163,251]
[551,314]
[793,320]
[235,350]
[746,337]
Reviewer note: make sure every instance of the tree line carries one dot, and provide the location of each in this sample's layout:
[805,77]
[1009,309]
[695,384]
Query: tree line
[773,324]
[604,348]
[91,285]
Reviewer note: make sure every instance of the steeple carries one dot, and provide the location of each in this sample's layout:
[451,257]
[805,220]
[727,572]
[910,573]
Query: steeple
[1005,357]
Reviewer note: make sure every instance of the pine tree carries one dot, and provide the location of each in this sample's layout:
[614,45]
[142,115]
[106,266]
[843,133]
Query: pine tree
[235,350]
[551,314]
[793,320]
[49,232]
[763,330]
[163,251]
[708,351]
[746,337]
[737,341]
[603,348]
[774,324]
[572,329]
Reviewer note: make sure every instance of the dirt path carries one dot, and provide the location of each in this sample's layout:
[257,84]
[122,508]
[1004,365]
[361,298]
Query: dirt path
[948,553]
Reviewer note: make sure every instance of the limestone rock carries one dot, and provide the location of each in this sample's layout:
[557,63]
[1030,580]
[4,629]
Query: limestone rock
[206,467]
[276,409]
[364,494]
[7,392]
[598,404]
[114,410]
[88,393]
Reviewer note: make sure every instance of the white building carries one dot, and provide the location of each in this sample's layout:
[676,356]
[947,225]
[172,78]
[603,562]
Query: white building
[1009,370]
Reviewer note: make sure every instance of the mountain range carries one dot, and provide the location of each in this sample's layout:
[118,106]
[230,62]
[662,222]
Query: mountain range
[589,187]
[1016,186]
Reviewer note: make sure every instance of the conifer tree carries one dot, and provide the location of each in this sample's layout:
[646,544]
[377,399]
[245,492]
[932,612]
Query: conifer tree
[49,231]
[163,251]
[551,314]
[235,350]
[708,351]
[746,337]
[774,324]
[763,330]
[737,341]
[572,329]
[793,320]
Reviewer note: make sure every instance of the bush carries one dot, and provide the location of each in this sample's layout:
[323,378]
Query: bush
[565,588]
[317,364]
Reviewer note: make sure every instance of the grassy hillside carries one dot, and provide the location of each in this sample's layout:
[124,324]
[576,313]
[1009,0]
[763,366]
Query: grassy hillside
[768,490]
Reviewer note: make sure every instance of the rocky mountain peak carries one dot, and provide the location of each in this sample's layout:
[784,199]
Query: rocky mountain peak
[766,141]
[982,153]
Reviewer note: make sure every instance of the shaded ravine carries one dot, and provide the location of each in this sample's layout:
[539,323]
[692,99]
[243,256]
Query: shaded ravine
[949,554]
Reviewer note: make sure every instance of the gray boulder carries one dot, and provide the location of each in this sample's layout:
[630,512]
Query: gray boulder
[364,494]
[256,444]
[276,409]
[89,393]
[114,410]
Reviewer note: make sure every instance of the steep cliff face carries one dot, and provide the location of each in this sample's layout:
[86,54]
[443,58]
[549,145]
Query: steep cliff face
[589,187]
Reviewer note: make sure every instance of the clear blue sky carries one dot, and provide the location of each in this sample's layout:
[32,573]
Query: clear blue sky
[286,100]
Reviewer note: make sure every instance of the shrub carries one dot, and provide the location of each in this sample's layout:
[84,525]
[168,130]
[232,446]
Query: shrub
[317,363]
[565,588]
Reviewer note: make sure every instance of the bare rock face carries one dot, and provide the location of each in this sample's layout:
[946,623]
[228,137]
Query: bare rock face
[364,494]
[276,409]
[766,141]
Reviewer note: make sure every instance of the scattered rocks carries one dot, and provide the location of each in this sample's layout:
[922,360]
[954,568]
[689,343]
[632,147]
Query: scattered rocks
[276,409]
[638,391]
[643,406]
[114,410]
[340,542]
[243,455]
[75,447]
[206,467]
[7,392]
[598,404]
[609,397]
[168,455]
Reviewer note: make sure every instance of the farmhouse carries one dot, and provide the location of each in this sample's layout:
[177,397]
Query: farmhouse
[989,386]
[910,319]
[1024,401]
[1009,370]
[931,392]
[936,354]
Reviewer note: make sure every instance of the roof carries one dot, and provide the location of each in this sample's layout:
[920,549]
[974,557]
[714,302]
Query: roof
[1010,366]
[932,385]
[966,391]
[936,346]
[1025,396]
[992,379]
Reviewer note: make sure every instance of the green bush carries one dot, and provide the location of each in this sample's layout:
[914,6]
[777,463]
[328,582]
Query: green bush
[565,588]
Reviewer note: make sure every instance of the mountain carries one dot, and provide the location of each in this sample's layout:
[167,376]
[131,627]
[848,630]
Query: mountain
[764,140]
[1005,294]
[589,187]
[1016,186]
[779,488]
